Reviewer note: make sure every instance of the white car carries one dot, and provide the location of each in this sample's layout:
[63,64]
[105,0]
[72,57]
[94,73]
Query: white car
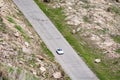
[60,51]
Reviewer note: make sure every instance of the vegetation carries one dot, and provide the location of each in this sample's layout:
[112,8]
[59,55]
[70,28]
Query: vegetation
[118,50]
[10,19]
[86,19]
[85,1]
[103,69]
[47,51]
[116,38]
[115,9]
[19,28]
[2,26]
[11,70]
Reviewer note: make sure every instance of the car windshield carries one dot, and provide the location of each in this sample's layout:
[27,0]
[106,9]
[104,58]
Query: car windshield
[59,49]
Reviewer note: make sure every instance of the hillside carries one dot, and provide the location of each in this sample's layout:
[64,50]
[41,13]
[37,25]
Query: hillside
[23,55]
[92,27]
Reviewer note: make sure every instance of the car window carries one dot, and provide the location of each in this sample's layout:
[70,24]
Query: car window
[59,49]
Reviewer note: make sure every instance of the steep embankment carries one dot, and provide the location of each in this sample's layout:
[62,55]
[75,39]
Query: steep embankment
[23,55]
[92,27]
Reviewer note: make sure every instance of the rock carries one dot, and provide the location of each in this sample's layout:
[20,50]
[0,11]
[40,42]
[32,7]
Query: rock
[78,29]
[31,37]
[40,57]
[25,50]
[57,75]
[16,34]
[26,44]
[42,69]
[34,72]
[21,62]
[97,60]
[73,31]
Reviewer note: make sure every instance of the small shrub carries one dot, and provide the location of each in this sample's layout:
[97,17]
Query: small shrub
[114,9]
[118,50]
[86,19]
[87,6]
[85,1]
[18,70]
[116,38]
[11,70]
[19,28]
[105,30]
[10,19]
[1,20]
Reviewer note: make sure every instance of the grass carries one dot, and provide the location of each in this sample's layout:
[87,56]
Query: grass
[32,61]
[118,50]
[11,70]
[103,69]
[86,19]
[85,1]
[2,26]
[115,9]
[103,31]
[116,38]
[19,28]
[47,51]
[10,19]
[19,70]
[30,77]
[1,20]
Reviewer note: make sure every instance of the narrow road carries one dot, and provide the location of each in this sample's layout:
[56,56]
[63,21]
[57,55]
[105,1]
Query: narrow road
[72,64]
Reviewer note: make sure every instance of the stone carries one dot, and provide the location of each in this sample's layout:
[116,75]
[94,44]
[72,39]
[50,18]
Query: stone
[16,34]
[78,29]
[43,69]
[40,57]
[73,31]
[21,62]
[34,72]
[31,37]
[57,75]
[97,60]
[26,44]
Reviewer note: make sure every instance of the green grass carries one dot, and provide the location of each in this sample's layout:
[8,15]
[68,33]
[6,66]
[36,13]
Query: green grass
[19,28]
[2,26]
[1,20]
[30,77]
[118,50]
[103,69]
[19,70]
[116,38]
[10,19]
[115,9]
[11,70]
[47,51]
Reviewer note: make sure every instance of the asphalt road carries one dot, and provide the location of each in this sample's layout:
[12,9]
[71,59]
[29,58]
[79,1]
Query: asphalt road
[72,64]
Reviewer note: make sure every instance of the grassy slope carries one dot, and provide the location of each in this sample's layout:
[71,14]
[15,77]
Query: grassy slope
[103,69]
